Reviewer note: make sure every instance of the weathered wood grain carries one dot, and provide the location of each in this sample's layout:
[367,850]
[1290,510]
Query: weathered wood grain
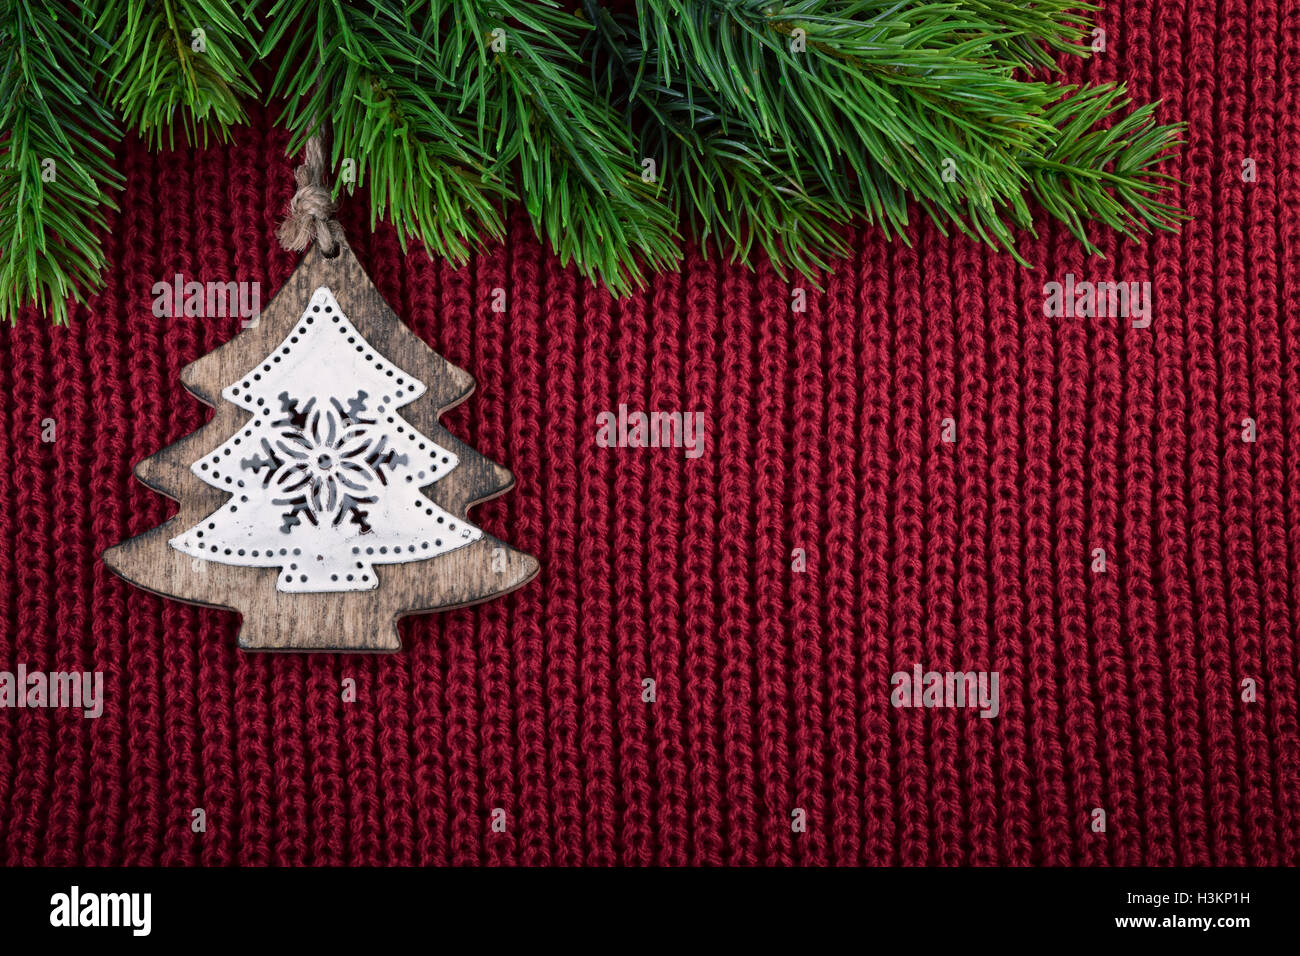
[337,621]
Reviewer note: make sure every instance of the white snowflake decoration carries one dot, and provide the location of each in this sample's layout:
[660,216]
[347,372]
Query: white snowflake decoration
[326,478]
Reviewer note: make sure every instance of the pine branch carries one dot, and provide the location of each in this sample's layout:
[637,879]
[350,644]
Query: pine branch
[1030,34]
[55,161]
[393,99]
[864,105]
[191,55]
[579,174]
[719,186]
[452,109]
[1103,165]
[769,126]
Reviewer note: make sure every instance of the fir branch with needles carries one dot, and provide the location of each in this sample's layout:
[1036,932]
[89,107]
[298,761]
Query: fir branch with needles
[400,104]
[756,127]
[881,99]
[56,170]
[178,62]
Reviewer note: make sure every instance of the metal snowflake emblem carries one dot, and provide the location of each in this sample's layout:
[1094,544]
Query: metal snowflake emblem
[323,461]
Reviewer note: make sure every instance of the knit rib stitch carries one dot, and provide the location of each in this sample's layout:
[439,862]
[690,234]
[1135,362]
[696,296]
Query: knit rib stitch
[829,535]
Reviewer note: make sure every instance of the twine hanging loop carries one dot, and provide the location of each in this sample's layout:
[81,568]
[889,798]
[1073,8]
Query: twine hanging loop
[311,210]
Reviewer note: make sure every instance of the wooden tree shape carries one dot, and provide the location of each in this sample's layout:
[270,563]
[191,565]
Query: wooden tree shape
[326,435]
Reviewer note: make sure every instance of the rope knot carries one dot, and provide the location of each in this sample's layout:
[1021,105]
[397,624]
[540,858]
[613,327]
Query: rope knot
[311,210]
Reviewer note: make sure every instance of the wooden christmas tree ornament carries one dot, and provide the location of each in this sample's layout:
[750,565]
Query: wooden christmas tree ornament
[324,500]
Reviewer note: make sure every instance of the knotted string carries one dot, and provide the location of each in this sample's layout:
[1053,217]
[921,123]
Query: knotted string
[311,210]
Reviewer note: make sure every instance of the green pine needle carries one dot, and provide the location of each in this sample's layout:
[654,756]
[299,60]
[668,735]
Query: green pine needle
[190,56]
[761,128]
[55,161]
[393,100]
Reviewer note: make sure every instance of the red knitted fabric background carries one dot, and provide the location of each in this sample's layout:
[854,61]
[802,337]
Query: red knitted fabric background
[1121,690]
